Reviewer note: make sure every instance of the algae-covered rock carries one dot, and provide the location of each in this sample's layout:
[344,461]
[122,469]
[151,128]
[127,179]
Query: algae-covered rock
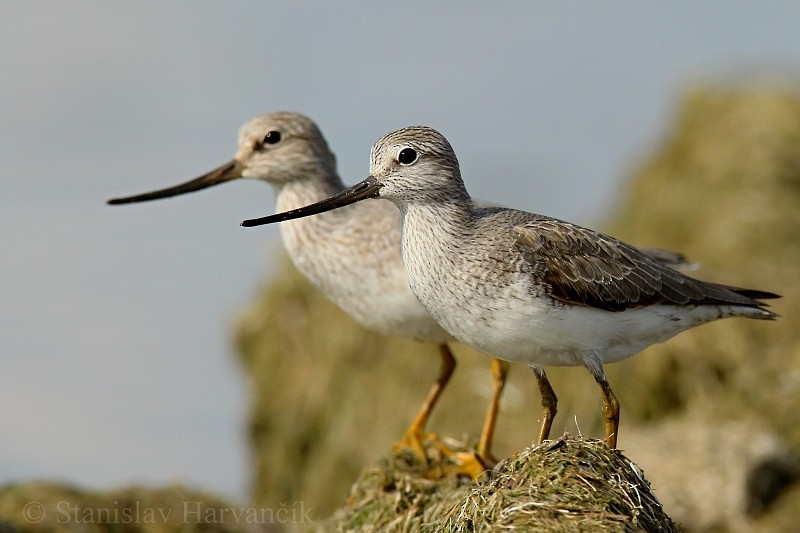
[564,485]
[716,475]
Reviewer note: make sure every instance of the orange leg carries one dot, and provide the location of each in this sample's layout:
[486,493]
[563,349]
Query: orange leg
[549,403]
[474,464]
[499,376]
[415,433]
[610,403]
[610,413]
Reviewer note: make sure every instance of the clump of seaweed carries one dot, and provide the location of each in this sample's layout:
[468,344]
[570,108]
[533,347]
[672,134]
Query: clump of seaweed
[570,484]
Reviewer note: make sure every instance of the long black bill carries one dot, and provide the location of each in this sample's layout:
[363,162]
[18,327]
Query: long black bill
[227,172]
[368,188]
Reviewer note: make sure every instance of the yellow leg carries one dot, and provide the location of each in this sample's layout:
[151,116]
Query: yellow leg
[474,464]
[499,375]
[549,403]
[610,412]
[416,431]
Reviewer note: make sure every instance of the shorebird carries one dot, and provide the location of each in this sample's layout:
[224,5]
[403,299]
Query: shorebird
[525,287]
[352,255]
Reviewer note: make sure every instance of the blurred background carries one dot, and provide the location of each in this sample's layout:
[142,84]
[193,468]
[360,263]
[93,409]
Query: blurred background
[134,347]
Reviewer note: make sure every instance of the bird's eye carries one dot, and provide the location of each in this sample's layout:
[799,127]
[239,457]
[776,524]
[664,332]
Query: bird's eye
[273,137]
[407,156]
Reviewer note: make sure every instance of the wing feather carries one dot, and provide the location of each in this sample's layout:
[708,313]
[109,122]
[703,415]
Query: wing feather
[584,267]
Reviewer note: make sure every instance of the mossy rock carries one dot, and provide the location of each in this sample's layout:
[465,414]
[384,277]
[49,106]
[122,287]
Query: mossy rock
[569,484]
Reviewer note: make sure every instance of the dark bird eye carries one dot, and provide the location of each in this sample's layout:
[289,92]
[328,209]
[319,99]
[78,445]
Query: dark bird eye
[407,156]
[273,137]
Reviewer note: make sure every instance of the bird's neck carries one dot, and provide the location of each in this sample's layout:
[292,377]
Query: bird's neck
[307,239]
[432,235]
[436,223]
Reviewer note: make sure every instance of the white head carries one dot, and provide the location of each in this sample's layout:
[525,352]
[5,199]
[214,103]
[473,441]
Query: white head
[283,147]
[278,148]
[409,166]
[416,165]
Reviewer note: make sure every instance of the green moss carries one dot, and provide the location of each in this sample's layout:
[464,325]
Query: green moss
[564,485]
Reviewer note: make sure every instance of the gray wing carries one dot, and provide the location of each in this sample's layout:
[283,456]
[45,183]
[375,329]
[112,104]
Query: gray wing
[584,267]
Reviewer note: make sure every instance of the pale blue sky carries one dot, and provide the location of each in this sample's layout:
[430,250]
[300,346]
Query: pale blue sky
[116,363]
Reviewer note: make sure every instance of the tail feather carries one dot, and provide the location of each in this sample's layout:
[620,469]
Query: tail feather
[755,308]
[765,314]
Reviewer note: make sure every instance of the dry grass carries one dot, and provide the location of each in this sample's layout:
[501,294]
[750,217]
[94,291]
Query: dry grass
[565,485]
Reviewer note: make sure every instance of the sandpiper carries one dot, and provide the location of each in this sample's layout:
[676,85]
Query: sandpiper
[352,255]
[526,287]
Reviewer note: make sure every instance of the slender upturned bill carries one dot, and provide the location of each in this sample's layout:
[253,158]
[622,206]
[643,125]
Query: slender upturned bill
[369,188]
[229,171]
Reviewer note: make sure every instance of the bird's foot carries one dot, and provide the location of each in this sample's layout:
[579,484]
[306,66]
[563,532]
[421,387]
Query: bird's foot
[455,463]
[465,464]
[415,442]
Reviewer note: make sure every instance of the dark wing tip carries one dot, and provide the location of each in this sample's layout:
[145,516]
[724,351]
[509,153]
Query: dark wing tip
[760,295]
[753,294]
